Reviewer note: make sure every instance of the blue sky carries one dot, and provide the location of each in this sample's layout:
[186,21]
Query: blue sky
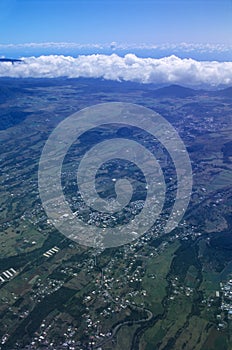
[127,21]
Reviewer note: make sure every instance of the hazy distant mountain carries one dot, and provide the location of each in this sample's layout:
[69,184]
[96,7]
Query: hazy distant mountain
[12,88]
[8,92]
[175,91]
[225,92]
[12,115]
[11,60]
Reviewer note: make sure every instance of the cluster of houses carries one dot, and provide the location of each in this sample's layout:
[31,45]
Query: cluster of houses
[226,289]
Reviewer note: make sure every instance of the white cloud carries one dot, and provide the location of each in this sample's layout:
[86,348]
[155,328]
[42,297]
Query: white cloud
[129,68]
[47,45]
[175,47]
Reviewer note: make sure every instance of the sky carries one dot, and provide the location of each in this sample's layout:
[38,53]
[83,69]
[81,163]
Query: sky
[121,21]
[187,42]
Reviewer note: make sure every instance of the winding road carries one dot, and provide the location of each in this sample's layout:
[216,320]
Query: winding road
[124,323]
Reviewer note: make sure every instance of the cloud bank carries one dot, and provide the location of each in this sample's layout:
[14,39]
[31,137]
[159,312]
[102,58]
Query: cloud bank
[175,47]
[167,70]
